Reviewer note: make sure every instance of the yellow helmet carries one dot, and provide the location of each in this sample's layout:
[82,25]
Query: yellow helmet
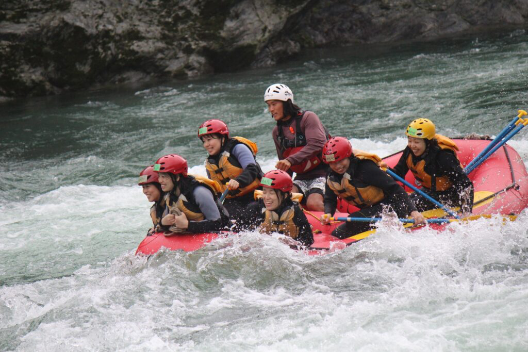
[421,128]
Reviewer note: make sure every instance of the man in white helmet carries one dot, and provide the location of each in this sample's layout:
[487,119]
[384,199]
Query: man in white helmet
[299,139]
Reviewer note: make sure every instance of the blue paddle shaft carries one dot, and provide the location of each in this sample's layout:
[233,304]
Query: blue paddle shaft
[497,139]
[469,169]
[409,221]
[426,196]
[223,196]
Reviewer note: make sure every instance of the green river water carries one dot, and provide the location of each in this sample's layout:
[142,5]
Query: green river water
[71,215]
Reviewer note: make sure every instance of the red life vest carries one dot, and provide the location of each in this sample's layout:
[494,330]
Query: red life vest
[291,147]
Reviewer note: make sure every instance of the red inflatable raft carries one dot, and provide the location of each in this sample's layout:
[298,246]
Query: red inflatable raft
[501,187]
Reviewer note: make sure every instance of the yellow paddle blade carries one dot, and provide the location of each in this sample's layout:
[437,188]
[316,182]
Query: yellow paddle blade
[439,213]
[361,235]
[489,216]
[505,218]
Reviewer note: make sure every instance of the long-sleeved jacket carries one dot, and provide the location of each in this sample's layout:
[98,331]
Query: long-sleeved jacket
[364,173]
[314,135]
[200,205]
[235,161]
[438,163]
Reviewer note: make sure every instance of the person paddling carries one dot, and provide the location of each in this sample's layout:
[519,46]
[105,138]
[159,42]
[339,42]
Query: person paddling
[433,161]
[148,180]
[360,181]
[191,201]
[276,211]
[232,164]
[299,137]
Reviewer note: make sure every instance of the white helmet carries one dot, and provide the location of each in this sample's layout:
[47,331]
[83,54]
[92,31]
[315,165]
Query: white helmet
[278,92]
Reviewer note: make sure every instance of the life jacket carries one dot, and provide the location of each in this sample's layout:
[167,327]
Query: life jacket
[441,183]
[295,197]
[283,223]
[290,147]
[362,155]
[156,212]
[185,201]
[353,194]
[227,167]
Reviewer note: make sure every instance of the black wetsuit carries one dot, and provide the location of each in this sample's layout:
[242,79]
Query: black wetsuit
[364,173]
[440,162]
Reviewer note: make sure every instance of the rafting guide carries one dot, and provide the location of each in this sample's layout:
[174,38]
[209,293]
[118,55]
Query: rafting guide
[299,138]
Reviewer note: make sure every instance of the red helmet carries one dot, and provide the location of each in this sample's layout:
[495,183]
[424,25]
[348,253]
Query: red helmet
[148,176]
[213,126]
[336,149]
[172,163]
[277,179]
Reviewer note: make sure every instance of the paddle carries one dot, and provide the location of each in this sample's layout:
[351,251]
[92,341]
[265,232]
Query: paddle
[223,196]
[409,221]
[519,125]
[516,121]
[433,221]
[423,194]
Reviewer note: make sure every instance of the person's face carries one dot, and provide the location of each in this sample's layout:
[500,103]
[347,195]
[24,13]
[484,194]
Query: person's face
[152,192]
[270,198]
[276,108]
[340,166]
[417,145]
[212,144]
[165,181]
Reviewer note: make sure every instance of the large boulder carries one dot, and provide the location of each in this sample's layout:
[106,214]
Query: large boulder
[48,46]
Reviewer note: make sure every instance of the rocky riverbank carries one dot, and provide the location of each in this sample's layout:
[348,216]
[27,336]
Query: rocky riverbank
[50,46]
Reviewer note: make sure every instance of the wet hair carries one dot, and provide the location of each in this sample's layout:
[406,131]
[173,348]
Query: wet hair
[282,196]
[431,143]
[290,109]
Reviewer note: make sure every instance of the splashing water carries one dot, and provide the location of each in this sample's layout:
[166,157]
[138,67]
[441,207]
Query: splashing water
[71,216]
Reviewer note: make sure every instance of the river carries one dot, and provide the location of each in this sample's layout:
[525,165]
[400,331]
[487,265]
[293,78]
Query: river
[71,215]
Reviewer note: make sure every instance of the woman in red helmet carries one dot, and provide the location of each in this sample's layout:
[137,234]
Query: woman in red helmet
[299,138]
[275,211]
[148,180]
[359,180]
[232,164]
[191,201]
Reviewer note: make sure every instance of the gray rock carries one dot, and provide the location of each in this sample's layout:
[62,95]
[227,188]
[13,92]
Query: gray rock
[49,46]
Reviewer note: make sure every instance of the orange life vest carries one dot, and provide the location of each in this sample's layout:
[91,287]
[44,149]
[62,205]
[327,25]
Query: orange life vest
[291,147]
[192,211]
[295,197]
[442,183]
[228,168]
[155,219]
[282,224]
[358,196]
